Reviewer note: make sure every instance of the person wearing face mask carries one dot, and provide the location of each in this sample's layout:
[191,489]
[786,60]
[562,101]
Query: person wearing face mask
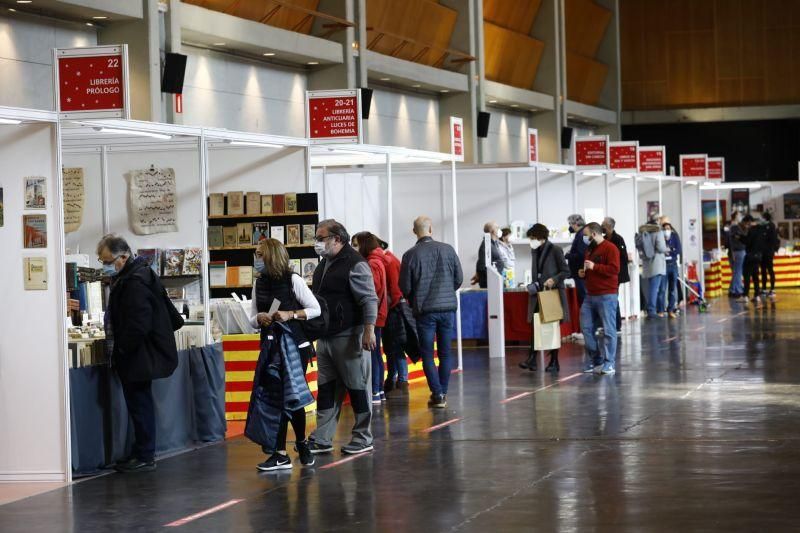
[674,252]
[738,251]
[601,273]
[609,232]
[653,249]
[549,270]
[497,256]
[576,253]
[277,281]
[344,279]
[143,347]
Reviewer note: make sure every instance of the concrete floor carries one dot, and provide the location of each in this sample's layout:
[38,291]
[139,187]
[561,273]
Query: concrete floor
[698,431]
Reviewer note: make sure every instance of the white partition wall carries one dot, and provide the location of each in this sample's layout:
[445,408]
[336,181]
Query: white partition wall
[622,193]
[357,199]
[592,195]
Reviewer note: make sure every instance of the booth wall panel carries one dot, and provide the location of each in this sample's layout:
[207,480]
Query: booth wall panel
[508,138]
[356,199]
[32,410]
[234,93]
[401,119]
[84,240]
[26,58]
[266,170]
[422,194]
[522,204]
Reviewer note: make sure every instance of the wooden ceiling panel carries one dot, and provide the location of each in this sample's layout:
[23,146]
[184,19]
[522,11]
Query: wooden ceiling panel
[585,78]
[516,15]
[511,57]
[632,50]
[586,24]
[279,15]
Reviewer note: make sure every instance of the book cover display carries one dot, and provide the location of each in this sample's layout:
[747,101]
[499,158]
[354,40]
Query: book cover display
[277,233]
[35,231]
[217,276]
[35,192]
[260,232]
[253,203]
[309,233]
[229,237]
[266,204]
[173,262]
[296,266]
[192,261]
[291,203]
[152,256]
[236,203]
[216,204]
[216,237]
[293,235]
[35,270]
[309,266]
[244,233]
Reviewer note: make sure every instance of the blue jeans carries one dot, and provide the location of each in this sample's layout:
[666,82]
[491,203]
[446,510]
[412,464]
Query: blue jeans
[604,309]
[672,286]
[398,367]
[439,326]
[737,284]
[377,364]
[655,304]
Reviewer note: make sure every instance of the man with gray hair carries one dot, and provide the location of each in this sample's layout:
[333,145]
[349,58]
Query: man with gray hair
[497,257]
[430,275]
[609,230]
[141,328]
[576,253]
[344,279]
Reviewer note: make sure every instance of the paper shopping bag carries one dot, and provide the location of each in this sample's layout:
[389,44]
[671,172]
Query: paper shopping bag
[546,336]
[550,309]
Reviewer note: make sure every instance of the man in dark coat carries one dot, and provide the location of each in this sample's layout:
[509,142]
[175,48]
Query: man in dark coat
[609,225]
[576,254]
[141,329]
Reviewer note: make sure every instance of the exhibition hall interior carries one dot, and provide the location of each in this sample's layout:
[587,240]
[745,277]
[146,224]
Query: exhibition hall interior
[399,265]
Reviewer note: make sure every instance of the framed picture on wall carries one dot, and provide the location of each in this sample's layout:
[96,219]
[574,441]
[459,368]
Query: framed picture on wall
[796,231]
[710,217]
[740,201]
[653,209]
[35,231]
[35,192]
[783,230]
[791,206]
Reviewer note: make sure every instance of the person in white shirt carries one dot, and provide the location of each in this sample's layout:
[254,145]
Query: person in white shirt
[507,249]
[296,303]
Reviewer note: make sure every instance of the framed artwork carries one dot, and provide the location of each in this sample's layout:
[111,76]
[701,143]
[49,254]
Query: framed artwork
[35,192]
[791,206]
[740,201]
[35,231]
[796,231]
[710,216]
[653,209]
[783,230]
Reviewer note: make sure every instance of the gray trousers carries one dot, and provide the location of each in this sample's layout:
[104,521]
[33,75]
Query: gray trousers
[343,366]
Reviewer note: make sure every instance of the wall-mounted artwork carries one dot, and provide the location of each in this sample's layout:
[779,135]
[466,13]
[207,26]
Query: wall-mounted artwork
[35,192]
[791,206]
[35,231]
[153,201]
[74,198]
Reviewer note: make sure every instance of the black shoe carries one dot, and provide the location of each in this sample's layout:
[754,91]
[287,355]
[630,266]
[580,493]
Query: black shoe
[553,365]
[316,448]
[357,448]
[438,401]
[402,386]
[388,386]
[135,465]
[276,461]
[306,457]
[529,363]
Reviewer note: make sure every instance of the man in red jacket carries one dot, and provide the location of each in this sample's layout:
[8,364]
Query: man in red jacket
[601,274]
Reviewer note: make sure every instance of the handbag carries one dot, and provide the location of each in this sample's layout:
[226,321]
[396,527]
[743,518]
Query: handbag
[546,336]
[550,309]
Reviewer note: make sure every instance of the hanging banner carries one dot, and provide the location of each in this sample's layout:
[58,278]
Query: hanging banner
[694,166]
[457,138]
[333,117]
[716,168]
[533,145]
[653,159]
[91,82]
[623,155]
[591,152]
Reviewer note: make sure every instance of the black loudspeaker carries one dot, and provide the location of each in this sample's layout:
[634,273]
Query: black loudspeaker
[174,72]
[483,124]
[366,103]
[566,138]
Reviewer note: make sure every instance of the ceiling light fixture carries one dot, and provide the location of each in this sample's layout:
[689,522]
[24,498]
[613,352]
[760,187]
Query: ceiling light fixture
[444,91]
[386,79]
[269,54]
[10,121]
[313,63]
[219,44]
[514,105]
[416,86]
[253,143]
[134,132]
[99,17]
[12,9]
[24,1]
[89,24]
[492,101]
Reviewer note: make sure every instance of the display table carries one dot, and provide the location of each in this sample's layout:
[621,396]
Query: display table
[718,274]
[475,321]
[189,409]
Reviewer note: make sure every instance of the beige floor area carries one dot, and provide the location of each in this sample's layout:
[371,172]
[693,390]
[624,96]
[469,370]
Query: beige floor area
[11,492]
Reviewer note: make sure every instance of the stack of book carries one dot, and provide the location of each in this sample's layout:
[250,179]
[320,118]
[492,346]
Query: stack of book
[239,203]
[173,262]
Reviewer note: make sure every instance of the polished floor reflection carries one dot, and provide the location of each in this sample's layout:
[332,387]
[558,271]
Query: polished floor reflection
[698,431]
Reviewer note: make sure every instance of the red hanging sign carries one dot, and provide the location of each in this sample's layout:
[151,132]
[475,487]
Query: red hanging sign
[591,152]
[457,137]
[533,145]
[716,168]
[652,159]
[623,155]
[694,166]
[333,116]
[92,82]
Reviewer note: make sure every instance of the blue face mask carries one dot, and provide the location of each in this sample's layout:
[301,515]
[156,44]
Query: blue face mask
[258,264]
[586,240]
[109,270]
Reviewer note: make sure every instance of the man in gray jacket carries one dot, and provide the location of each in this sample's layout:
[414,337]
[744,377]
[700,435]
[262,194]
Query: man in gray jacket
[344,358]
[652,247]
[430,275]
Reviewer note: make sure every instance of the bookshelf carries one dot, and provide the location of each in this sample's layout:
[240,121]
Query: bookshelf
[253,247]
[267,216]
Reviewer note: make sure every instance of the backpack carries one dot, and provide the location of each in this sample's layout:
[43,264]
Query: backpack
[317,328]
[175,318]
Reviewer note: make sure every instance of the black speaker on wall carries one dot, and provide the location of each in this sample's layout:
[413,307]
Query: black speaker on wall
[483,124]
[366,102]
[566,138]
[174,72]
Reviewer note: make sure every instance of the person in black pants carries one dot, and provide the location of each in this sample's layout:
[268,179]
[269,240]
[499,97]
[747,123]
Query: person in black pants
[754,241]
[772,243]
[616,239]
[576,254]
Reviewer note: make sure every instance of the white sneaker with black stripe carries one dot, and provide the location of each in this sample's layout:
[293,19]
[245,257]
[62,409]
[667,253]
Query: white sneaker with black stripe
[277,461]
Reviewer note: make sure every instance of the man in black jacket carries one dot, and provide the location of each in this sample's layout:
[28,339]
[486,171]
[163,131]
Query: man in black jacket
[140,328]
[609,225]
[430,275]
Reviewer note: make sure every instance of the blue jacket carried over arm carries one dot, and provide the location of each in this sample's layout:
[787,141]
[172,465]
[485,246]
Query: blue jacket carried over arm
[576,254]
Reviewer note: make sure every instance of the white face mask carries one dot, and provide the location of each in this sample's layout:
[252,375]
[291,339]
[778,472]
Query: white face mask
[498,233]
[535,244]
[667,233]
[321,248]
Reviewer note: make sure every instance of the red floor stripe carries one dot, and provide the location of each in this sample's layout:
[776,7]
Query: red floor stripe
[531,393]
[201,514]
[442,425]
[343,461]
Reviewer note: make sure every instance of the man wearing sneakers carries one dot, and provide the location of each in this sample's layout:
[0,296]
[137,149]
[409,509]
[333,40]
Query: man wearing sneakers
[430,275]
[601,275]
[343,278]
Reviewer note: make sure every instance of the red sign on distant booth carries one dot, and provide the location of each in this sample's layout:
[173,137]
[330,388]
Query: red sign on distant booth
[333,116]
[591,152]
[652,159]
[92,82]
[533,145]
[716,168]
[623,155]
[457,137]
[694,166]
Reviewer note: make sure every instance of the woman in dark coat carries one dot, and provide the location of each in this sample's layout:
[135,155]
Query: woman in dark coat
[549,270]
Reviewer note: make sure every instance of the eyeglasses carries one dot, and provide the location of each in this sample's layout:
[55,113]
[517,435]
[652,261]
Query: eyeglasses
[109,263]
[322,239]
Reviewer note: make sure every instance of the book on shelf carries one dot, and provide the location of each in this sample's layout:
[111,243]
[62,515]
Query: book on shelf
[176,293]
[309,233]
[217,276]
[245,275]
[307,202]
[153,258]
[260,232]
[173,262]
[244,233]
[296,266]
[216,204]
[277,233]
[309,266]
[236,203]
[278,204]
[229,238]
[192,261]
[216,238]
[266,204]
[253,203]
[293,234]
[232,276]
[291,203]
[72,276]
